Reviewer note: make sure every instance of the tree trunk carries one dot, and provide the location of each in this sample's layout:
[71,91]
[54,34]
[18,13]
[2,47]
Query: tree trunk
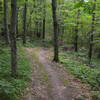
[7,36]
[76,31]
[44,16]
[17,23]
[55,24]
[38,29]
[13,39]
[24,22]
[44,28]
[92,32]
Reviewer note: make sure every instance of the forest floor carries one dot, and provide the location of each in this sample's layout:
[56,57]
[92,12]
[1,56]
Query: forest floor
[50,81]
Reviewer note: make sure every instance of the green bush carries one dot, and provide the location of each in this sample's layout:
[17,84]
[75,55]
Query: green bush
[7,91]
[11,88]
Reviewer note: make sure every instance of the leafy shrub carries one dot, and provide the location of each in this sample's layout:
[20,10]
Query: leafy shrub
[10,88]
[87,74]
[7,91]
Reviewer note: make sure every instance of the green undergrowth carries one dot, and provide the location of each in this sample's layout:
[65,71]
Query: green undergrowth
[13,88]
[82,71]
[36,43]
[82,56]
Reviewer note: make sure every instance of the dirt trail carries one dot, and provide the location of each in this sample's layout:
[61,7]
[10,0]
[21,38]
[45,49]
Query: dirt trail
[50,81]
[59,91]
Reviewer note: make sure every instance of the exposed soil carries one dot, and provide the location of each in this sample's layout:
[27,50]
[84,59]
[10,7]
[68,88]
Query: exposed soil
[50,81]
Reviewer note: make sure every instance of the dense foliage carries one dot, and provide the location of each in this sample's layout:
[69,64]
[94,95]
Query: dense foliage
[82,71]
[11,88]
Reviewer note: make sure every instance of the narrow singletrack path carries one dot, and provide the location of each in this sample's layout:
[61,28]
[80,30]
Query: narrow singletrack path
[59,91]
[50,81]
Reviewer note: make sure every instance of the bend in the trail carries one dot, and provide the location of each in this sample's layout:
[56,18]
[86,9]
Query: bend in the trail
[50,81]
[59,91]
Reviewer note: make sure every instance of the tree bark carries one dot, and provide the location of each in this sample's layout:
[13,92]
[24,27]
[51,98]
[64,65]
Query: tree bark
[44,15]
[43,28]
[76,31]
[6,31]
[13,39]
[92,32]
[55,26]
[24,22]
[17,23]
[38,29]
